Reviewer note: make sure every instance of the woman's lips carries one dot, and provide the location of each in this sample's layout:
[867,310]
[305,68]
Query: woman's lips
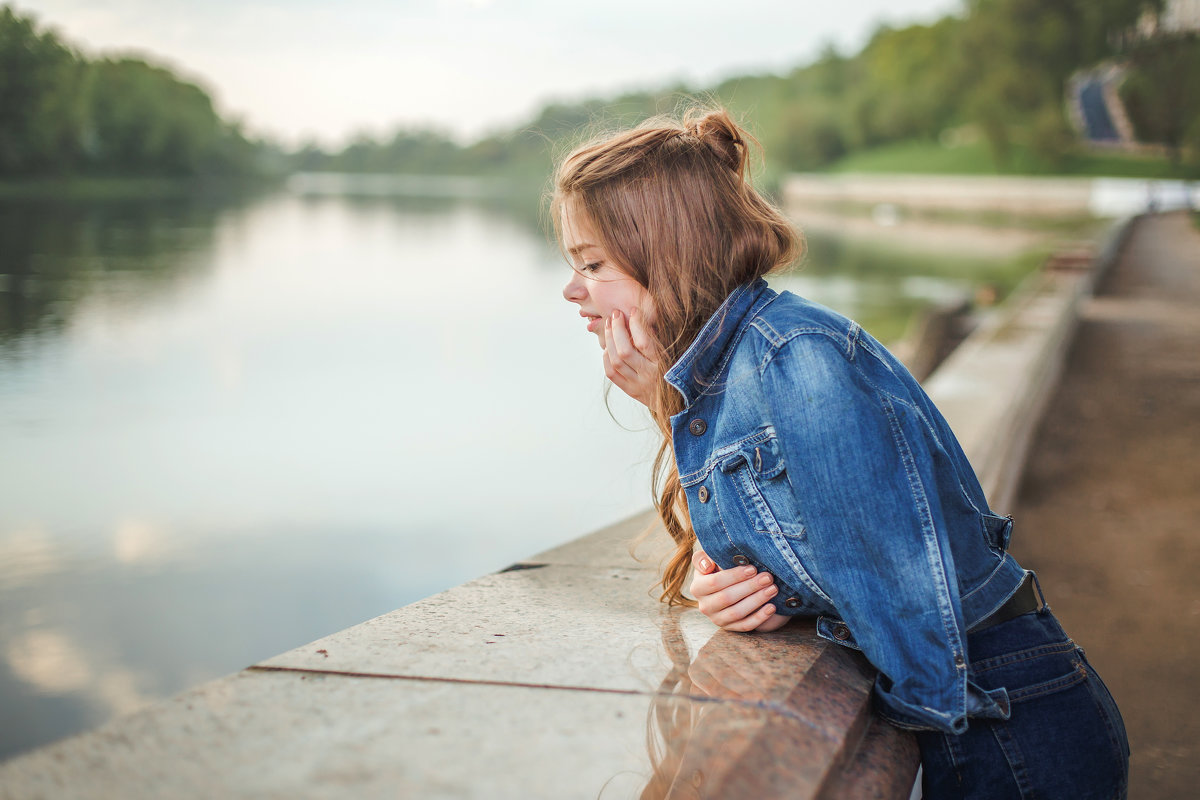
[593,322]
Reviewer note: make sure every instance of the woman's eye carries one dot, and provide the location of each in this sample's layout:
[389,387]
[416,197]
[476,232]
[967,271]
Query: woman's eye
[590,268]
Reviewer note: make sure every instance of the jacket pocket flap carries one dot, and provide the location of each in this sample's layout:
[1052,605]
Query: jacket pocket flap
[764,459]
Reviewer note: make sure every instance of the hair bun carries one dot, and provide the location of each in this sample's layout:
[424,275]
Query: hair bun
[718,130]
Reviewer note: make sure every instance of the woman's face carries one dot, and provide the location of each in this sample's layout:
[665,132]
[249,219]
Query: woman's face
[598,285]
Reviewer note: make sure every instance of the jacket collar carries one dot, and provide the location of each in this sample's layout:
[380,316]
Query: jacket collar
[696,370]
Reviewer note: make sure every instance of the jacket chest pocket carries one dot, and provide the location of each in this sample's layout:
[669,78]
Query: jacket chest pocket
[754,482]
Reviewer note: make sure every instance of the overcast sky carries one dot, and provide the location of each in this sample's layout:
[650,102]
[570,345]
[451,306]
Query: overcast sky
[326,70]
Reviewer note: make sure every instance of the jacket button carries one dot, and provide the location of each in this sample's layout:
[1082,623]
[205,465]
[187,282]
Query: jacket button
[697,427]
[841,633]
[703,494]
[740,560]
[792,602]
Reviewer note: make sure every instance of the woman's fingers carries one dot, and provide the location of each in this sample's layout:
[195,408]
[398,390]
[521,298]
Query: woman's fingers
[718,592]
[734,599]
[773,622]
[748,613]
[735,583]
[612,367]
[640,336]
[630,384]
[625,355]
[624,364]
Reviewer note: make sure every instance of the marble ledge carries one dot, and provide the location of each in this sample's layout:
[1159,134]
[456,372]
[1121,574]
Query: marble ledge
[283,734]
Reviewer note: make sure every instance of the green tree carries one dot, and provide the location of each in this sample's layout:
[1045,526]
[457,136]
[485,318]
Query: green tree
[61,113]
[144,120]
[910,86]
[1017,56]
[812,137]
[41,109]
[1163,105]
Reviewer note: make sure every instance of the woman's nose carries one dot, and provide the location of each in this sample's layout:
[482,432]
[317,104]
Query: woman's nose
[574,291]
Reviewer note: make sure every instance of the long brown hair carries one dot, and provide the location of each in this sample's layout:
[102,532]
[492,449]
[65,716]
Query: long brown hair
[674,207]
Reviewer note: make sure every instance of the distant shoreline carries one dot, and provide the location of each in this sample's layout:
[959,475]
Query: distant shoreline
[84,188]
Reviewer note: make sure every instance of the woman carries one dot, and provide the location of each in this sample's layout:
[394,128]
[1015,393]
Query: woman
[816,473]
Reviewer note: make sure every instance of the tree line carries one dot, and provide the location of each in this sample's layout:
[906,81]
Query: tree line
[64,114]
[996,73]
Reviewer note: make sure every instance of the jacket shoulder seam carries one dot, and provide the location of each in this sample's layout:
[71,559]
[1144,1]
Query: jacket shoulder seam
[777,341]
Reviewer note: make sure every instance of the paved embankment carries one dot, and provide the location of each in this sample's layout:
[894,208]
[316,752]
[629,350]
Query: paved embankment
[1109,508]
[1023,196]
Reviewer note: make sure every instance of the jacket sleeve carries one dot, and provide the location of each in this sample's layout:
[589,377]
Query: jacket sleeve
[861,466]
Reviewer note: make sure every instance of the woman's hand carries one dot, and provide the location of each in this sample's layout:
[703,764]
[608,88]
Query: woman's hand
[735,599]
[627,361]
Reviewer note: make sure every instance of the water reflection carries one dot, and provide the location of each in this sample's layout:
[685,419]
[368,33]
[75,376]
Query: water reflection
[670,724]
[98,634]
[710,712]
[56,254]
[229,429]
[429,194]
[768,715]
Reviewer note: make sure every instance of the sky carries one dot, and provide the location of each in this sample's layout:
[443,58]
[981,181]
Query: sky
[311,70]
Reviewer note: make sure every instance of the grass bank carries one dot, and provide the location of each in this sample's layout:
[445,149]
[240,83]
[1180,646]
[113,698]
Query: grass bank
[926,157]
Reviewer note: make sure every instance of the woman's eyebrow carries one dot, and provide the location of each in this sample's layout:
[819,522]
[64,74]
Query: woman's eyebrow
[579,248]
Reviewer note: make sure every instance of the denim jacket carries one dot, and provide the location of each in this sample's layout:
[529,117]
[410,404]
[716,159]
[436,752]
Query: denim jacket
[807,450]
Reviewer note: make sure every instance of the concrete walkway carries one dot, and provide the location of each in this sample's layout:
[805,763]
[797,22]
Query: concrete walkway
[1109,507]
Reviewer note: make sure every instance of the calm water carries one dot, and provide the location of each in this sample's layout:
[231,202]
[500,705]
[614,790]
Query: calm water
[229,429]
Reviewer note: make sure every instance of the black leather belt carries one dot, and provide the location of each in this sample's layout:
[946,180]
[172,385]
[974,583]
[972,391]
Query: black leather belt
[1024,600]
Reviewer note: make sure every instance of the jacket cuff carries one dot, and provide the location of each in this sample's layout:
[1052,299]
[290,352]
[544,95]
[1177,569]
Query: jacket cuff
[992,704]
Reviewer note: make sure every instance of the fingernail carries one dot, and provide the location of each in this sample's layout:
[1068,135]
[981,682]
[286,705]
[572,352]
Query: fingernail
[704,564]
[768,610]
[749,571]
[774,590]
[765,578]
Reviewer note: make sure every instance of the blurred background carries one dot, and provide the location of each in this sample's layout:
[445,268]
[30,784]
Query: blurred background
[282,345]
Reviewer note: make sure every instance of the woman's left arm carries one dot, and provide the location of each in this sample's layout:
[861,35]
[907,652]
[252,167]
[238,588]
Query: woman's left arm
[861,469]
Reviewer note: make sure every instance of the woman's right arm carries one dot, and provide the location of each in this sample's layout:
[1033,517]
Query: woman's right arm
[735,599]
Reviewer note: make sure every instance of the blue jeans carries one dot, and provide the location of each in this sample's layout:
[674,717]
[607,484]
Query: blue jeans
[1064,739]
